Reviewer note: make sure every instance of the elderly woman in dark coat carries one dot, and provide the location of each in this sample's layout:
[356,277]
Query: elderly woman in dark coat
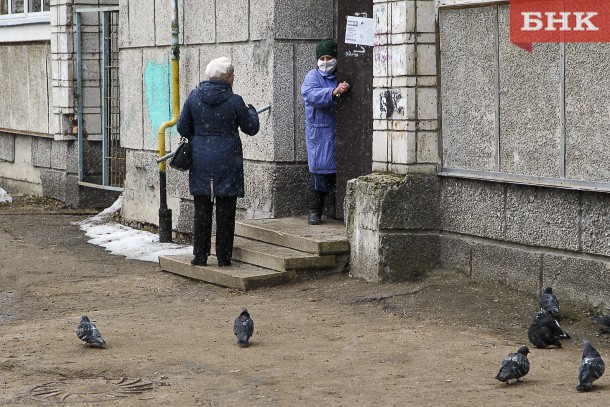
[211,119]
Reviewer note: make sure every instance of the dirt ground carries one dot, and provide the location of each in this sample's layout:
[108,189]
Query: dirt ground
[327,341]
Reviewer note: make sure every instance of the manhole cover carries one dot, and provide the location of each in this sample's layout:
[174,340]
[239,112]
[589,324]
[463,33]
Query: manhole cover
[90,389]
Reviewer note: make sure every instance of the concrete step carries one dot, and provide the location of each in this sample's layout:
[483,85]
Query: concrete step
[239,275]
[278,258]
[295,233]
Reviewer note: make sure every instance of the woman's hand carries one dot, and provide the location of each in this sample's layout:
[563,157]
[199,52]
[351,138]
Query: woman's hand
[342,88]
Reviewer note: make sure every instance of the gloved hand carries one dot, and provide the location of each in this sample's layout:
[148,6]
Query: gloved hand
[250,106]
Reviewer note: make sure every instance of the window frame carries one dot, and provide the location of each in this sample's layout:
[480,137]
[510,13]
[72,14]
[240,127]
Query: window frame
[26,17]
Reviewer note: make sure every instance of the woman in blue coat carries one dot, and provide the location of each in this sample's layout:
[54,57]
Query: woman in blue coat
[320,90]
[210,119]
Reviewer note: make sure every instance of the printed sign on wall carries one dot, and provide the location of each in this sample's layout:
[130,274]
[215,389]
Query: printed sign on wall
[359,30]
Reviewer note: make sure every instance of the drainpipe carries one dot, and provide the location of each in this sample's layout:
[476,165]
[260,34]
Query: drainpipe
[165,214]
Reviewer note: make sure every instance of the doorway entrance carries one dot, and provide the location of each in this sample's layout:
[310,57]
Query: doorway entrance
[355,110]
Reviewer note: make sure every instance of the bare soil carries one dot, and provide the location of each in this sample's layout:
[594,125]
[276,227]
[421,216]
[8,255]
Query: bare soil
[330,341]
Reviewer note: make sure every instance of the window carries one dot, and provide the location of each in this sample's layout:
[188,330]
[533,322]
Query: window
[13,9]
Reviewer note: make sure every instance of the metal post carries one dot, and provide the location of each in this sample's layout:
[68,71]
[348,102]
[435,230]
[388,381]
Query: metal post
[79,96]
[105,97]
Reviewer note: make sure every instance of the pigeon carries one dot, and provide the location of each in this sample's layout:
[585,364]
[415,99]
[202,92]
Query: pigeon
[88,332]
[604,321]
[543,318]
[514,366]
[541,337]
[243,328]
[591,368]
[548,302]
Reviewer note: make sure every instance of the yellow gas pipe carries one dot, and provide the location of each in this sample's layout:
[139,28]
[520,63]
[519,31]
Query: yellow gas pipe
[165,214]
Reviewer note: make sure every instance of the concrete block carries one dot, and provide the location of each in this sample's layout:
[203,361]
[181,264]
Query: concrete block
[587,112]
[520,269]
[380,146]
[381,18]
[54,185]
[427,147]
[5,83]
[124,37]
[426,60]
[141,29]
[473,208]
[380,64]
[59,151]
[232,21]
[455,253]
[190,75]
[530,138]
[426,16]
[403,147]
[7,147]
[402,59]
[427,108]
[141,195]
[157,93]
[403,17]
[594,226]
[186,213]
[200,24]
[295,19]
[37,107]
[305,59]
[395,103]
[542,217]
[583,282]
[261,19]
[18,86]
[407,257]
[283,114]
[131,77]
[412,204]
[71,157]
[365,254]
[468,87]
[41,152]
[163,21]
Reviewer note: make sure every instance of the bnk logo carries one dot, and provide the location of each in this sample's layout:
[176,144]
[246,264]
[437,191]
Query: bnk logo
[559,21]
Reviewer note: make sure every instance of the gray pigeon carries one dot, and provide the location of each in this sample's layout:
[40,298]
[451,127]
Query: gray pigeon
[243,328]
[548,302]
[543,318]
[591,368]
[604,321]
[514,366]
[541,337]
[88,332]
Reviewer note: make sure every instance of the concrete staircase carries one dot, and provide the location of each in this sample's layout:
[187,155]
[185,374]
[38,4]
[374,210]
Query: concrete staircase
[270,252]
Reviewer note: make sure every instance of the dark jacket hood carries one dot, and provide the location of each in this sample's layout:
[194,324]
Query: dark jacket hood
[213,92]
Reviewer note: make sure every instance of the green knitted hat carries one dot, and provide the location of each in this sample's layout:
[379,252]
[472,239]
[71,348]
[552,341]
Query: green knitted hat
[326,47]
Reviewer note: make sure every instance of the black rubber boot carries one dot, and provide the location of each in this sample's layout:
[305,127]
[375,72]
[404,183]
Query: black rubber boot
[330,209]
[315,207]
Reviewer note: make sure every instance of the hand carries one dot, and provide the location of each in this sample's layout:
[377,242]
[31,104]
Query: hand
[342,88]
[250,106]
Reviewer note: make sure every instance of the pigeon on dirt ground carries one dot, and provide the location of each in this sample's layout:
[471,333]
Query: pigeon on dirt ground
[514,366]
[604,321]
[243,328]
[591,367]
[88,332]
[548,302]
[541,337]
[543,318]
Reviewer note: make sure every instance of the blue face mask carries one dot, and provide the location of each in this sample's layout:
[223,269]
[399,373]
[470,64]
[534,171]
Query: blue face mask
[327,66]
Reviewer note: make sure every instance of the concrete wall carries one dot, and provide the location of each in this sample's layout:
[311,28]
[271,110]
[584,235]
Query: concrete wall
[271,46]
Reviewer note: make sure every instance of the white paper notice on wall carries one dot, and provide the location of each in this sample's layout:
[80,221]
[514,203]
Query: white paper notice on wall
[359,30]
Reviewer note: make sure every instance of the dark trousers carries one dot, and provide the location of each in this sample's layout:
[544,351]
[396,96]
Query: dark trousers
[323,187]
[225,226]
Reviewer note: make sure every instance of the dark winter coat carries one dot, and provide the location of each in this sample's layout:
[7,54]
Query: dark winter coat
[320,121]
[211,118]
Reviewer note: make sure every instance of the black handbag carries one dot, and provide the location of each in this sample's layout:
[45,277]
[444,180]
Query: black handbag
[181,160]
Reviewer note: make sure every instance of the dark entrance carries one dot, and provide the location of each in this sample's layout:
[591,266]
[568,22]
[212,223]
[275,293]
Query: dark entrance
[355,111]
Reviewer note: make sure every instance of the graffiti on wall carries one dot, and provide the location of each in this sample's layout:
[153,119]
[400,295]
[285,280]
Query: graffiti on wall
[157,89]
[390,102]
